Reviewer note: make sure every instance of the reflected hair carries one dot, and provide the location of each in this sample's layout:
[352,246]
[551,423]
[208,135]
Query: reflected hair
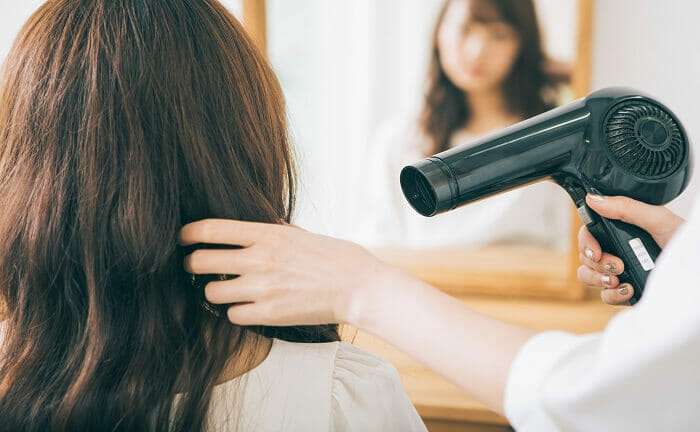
[121,121]
[445,108]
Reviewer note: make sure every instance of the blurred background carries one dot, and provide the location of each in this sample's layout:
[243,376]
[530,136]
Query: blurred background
[349,67]
[373,85]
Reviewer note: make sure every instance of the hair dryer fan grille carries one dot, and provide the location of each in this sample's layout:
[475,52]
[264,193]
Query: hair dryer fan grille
[644,139]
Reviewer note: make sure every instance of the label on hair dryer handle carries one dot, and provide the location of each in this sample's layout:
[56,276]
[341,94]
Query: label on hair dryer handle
[642,254]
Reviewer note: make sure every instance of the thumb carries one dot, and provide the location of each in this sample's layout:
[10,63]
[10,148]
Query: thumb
[656,220]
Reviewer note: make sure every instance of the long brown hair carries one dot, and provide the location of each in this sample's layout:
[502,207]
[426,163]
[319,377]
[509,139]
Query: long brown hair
[121,121]
[445,106]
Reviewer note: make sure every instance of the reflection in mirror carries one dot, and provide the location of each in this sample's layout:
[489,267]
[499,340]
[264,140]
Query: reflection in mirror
[373,86]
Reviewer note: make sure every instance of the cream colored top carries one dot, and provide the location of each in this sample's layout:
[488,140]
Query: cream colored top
[315,387]
[310,387]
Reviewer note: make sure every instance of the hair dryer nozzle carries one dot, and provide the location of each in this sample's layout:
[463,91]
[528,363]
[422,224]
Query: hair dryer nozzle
[512,157]
[429,186]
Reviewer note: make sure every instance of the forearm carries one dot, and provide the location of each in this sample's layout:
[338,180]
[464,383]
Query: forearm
[470,349]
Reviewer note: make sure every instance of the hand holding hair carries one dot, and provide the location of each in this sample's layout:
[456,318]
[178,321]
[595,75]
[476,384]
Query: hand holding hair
[286,275]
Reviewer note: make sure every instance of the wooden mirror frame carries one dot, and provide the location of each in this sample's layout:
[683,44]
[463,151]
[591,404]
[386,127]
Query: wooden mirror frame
[255,22]
[511,271]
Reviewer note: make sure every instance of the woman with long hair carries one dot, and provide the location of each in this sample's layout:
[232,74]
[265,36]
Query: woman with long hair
[487,71]
[120,121]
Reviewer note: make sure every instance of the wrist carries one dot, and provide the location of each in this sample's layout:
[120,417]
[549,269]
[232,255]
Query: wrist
[365,293]
[376,296]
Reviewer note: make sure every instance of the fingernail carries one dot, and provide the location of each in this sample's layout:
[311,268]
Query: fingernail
[623,290]
[589,253]
[606,280]
[610,267]
[597,197]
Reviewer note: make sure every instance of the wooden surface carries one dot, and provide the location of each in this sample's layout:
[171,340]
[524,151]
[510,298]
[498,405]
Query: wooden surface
[581,78]
[444,406]
[255,22]
[492,270]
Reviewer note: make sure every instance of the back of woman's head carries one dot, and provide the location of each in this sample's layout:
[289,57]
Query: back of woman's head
[121,121]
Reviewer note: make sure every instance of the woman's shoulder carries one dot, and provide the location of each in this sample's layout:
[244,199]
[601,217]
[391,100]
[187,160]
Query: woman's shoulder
[345,364]
[344,386]
[352,359]
[368,394]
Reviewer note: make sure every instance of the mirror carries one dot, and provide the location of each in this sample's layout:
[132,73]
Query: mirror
[355,75]
[373,86]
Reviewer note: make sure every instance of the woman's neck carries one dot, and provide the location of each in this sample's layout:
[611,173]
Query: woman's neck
[255,352]
[488,110]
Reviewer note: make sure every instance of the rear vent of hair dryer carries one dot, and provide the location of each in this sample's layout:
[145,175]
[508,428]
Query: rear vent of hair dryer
[644,139]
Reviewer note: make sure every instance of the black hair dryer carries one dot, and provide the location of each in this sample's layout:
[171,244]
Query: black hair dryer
[616,141]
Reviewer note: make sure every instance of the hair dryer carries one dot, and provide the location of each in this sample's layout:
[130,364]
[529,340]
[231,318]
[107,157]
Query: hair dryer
[616,141]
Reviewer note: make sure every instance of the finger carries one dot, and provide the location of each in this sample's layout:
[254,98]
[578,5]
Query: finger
[649,217]
[611,264]
[608,264]
[617,296]
[591,277]
[244,288]
[588,245]
[247,314]
[221,261]
[225,231]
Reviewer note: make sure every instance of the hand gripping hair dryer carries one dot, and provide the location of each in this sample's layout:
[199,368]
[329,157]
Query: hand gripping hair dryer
[616,141]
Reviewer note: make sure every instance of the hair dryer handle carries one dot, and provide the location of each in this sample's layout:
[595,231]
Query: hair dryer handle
[634,246]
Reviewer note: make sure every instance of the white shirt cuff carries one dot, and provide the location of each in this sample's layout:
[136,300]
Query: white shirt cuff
[531,366]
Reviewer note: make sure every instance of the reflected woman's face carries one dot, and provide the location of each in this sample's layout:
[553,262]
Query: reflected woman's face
[475,56]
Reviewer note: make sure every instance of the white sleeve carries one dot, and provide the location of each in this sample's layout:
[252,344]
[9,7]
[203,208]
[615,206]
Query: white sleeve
[642,373]
[368,395]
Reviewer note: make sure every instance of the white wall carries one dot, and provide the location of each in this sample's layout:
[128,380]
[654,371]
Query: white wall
[558,20]
[652,45]
[13,14]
